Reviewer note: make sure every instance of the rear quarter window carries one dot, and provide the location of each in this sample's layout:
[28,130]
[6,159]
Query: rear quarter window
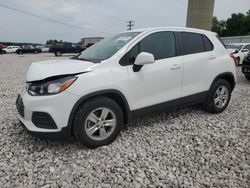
[207,43]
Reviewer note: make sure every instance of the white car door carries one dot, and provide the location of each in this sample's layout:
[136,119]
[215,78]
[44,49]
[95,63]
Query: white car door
[200,64]
[161,81]
[9,49]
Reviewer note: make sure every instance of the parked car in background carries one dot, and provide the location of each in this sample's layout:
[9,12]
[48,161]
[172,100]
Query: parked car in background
[92,96]
[28,49]
[2,46]
[238,50]
[67,47]
[45,49]
[10,49]
[246,66]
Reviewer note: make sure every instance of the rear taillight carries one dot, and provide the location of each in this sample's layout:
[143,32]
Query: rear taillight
[232,56]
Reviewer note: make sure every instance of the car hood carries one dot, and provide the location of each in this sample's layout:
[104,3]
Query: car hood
[45,69]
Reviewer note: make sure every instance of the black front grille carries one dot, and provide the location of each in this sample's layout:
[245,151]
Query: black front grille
[43,120]
[20,106]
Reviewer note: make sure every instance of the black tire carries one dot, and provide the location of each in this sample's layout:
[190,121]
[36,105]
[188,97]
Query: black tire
[237,61]
[210,105]
[58,53]
[247,77]
[20,52]
[81,119]
[3,52]
[36,52]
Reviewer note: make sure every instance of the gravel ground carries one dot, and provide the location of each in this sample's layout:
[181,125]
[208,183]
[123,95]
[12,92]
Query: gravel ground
[186,148]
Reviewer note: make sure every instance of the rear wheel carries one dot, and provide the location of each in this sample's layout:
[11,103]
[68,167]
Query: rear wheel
[98,122]
[58,53]
[3,52]
[218,97]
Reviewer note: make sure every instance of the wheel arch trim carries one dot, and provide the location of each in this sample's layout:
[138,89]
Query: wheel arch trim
[226,75]
[108,92]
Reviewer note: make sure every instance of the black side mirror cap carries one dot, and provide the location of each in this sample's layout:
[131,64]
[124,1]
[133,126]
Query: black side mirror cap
[137,68]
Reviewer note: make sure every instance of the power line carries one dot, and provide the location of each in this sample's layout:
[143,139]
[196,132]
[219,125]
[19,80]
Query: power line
[130,24]
[51,20]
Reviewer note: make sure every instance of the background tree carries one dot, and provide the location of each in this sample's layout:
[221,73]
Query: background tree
[236,25]
[53,42]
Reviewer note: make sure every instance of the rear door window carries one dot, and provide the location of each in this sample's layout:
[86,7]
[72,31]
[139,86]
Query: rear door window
[192,43]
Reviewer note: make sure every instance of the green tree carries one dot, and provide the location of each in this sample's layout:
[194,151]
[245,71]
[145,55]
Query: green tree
[219,26]
[236,25]
[53,42]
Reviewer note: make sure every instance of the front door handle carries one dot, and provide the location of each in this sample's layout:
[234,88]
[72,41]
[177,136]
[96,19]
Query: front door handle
[175,67]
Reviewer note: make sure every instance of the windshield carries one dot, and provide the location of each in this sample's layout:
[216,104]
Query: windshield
[230,46]
[106,47]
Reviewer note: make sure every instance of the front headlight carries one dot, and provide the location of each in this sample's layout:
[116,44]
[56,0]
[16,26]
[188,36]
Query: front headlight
[50,87]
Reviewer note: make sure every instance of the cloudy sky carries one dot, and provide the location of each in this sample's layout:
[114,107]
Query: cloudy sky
[95,17]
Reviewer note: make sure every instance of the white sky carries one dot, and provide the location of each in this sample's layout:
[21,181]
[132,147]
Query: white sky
[108,16]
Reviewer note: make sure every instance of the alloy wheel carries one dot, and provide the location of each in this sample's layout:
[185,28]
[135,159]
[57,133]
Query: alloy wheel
[100,123]
[221,96]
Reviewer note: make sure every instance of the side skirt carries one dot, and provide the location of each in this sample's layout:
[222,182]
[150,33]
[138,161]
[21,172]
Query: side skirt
[171,105]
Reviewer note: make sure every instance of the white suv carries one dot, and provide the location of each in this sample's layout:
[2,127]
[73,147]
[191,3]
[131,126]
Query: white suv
[10,49]
[92,96]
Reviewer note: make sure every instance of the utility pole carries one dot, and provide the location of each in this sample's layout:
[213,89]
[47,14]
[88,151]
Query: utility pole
[130,24]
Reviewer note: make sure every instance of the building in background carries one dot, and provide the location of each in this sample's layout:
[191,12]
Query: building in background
[200,14]
[89,41]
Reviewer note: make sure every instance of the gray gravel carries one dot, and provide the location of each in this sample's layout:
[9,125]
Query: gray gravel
[187,148]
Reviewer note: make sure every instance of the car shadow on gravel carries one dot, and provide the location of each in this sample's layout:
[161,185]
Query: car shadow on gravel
[33,144]
[165,116]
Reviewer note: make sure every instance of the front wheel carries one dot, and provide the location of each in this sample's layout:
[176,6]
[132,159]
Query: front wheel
[58,53]
[98,122]
[218,97]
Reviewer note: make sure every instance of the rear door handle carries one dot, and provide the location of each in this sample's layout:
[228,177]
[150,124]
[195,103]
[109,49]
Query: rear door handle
[212,57]
[175,67]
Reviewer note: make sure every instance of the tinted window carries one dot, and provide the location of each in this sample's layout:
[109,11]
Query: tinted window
[107,47]
[192,43]
[247,47]
[208,45]
[161,45]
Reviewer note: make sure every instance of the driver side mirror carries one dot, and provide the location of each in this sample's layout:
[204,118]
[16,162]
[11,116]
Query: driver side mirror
[143,58]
